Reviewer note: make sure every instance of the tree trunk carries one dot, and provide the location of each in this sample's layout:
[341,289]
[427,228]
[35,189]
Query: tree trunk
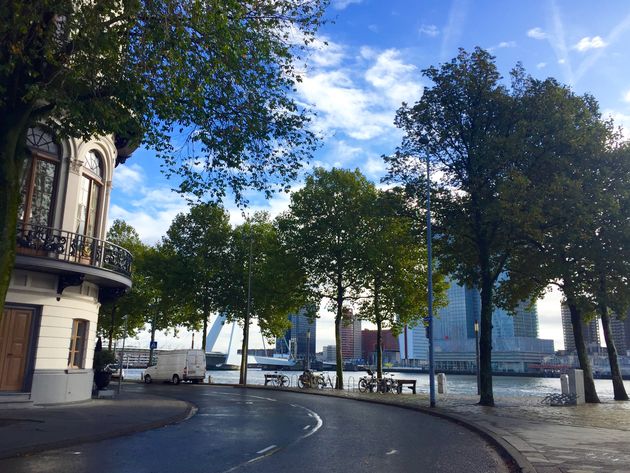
[153,328]
[205,330]
[617,380]
[485,342]
[338,321]
[243,377]
[379,332]
[110,335]
[12,149]
[585,365]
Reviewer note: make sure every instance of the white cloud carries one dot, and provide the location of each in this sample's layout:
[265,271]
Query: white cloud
[537,33]
[342,4]
[326,53]
[374,167]
[360,100]
[562,61]
[395,78]
[373,28]
[507,44]
[429,30]
[127,177]
[626,96]
[541,65]
[587,43]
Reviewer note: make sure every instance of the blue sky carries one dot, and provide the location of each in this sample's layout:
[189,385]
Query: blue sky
[372,62]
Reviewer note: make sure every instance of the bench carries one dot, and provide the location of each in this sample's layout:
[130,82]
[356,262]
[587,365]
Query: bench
[270,378]
[410,382]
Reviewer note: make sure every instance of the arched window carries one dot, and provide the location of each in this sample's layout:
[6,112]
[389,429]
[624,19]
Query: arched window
[90,194]
[39,178]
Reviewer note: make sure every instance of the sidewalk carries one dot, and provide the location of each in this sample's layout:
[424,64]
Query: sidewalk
[591,438]
[34,429]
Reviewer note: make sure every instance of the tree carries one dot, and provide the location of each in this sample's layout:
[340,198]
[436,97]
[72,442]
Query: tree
[560,205]
[396,270]
[162,309]
[112,312]
[199,242]
[214,78]
[326,230]
[260,281]
[466,124]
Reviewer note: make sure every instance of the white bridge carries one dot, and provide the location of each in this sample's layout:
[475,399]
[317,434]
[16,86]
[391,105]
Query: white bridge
[233,358]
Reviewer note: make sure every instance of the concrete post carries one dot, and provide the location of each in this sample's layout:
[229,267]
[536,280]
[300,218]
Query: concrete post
[564,384]
[576,385]
[441,379]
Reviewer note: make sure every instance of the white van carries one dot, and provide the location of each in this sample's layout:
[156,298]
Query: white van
[176,366]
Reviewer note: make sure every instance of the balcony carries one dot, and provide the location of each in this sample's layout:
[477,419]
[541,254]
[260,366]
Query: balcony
[74,256]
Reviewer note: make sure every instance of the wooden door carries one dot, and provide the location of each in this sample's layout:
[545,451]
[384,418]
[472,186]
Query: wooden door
[15,335]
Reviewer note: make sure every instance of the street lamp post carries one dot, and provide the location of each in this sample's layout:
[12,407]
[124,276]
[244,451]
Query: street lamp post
[476,326]
[424,141]
[122,356]
[308,349]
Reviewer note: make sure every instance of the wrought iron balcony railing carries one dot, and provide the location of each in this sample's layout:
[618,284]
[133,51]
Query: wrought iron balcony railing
[46,242]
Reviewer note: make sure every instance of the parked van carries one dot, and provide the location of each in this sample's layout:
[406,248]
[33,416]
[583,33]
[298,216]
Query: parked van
[176,366]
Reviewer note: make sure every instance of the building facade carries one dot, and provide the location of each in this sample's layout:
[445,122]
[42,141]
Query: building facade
[391,350]
[350,334]
[63,269]
[300,339]
[589,329]
[515,342]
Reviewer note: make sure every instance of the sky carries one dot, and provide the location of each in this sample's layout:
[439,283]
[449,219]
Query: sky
[368,60]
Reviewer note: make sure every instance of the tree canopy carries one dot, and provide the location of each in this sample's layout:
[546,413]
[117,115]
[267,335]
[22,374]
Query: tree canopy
[207,84]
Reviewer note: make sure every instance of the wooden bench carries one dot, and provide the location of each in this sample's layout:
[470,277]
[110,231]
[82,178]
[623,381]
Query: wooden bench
[410,382]
[271,378]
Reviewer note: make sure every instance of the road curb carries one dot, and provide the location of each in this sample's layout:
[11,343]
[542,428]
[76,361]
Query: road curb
[508,452]
[191,410]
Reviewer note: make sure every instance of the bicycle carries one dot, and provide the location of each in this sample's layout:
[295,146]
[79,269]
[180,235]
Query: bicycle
[368,383]
[281,381]
[323,381]
[308,379]
[388,385]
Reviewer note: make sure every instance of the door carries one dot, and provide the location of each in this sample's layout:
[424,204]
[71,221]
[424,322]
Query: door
[15,336]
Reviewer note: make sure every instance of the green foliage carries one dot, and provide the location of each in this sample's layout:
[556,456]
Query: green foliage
[102,359]
[198,242]
[276,283]
[214,78]
[326,229]
[112,312]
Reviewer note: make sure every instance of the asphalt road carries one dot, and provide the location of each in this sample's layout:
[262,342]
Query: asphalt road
[262,431]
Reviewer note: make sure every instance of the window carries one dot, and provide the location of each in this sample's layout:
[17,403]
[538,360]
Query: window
[78,341]
[39,179]
[90,195]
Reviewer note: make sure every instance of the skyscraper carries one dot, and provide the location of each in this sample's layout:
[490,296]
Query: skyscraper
[350,332]
[590,331]
[299,340]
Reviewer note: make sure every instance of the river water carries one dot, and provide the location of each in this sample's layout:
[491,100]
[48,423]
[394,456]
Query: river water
[504,386]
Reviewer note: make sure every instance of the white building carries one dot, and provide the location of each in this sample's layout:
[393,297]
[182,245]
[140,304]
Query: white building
[63,269]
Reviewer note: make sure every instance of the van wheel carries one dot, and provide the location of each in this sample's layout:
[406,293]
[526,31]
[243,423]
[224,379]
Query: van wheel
[175,379]
[147,379]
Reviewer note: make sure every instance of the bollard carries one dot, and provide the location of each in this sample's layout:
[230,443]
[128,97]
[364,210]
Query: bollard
[564,384]
[441,379]
[576,385]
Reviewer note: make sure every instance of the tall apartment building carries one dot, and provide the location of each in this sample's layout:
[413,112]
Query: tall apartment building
[350,334]
[300,338]
[621,333]
[514,339]
[589,329]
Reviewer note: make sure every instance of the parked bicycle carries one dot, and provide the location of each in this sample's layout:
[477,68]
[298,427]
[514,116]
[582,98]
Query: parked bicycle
[308,379]
[280,381]
[368,383]
[324,381]
[388,384]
